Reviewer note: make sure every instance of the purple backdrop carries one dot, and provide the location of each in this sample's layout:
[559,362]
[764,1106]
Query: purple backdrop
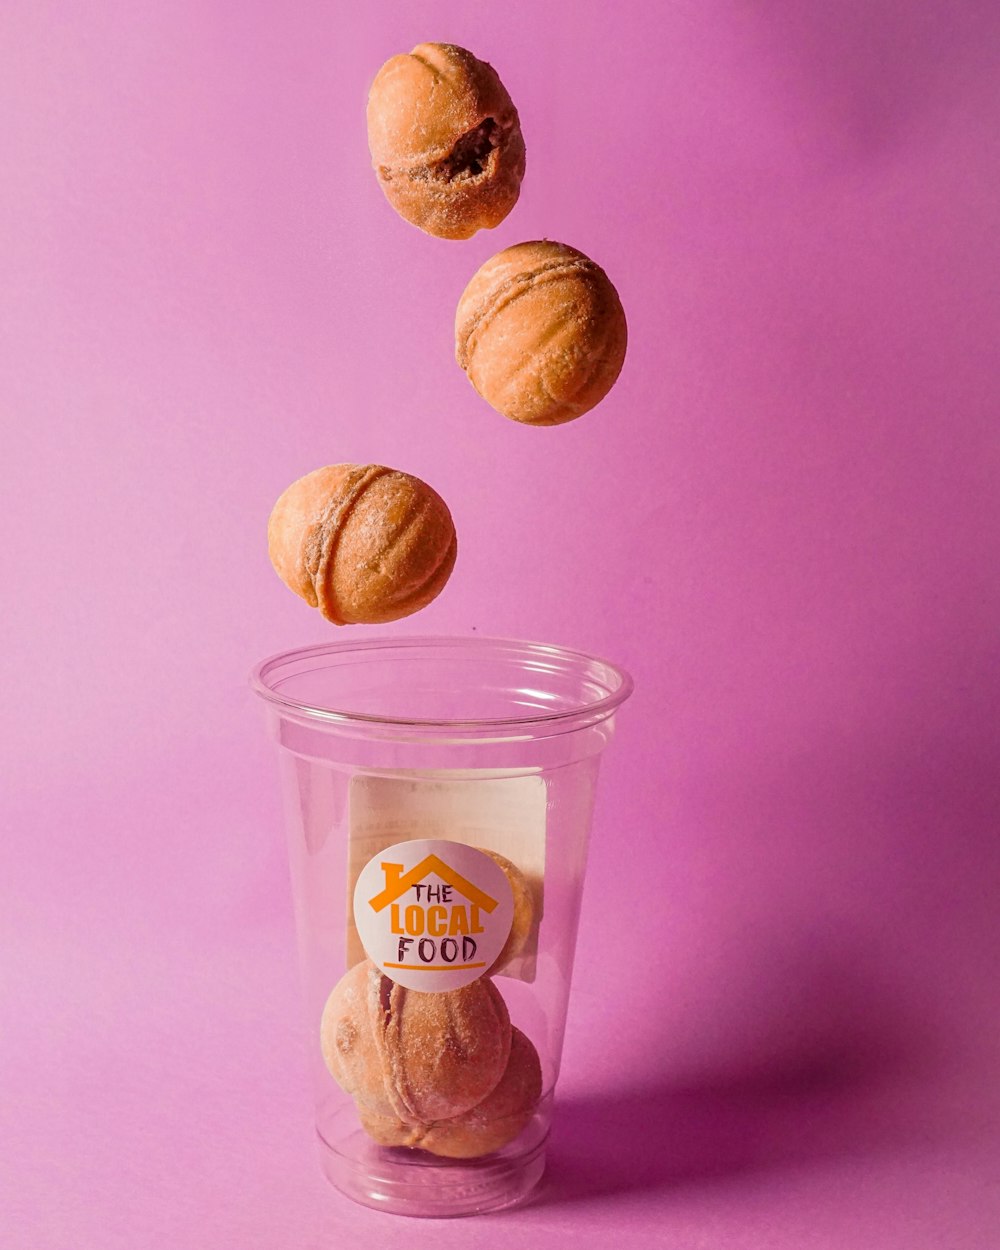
[784,521]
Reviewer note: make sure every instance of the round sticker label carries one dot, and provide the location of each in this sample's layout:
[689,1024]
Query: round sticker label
[433,915]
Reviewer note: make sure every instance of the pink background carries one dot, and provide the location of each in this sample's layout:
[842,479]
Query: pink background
[784,521]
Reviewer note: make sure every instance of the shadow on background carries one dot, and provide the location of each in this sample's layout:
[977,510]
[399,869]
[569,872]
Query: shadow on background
[844,1084]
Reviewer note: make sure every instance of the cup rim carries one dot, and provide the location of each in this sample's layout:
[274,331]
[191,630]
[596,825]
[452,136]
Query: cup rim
[567,657]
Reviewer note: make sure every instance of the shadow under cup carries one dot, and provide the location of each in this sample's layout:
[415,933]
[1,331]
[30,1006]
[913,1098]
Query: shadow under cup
[489,743]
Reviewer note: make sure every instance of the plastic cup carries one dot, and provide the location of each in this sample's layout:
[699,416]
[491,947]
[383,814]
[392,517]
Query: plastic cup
[432,746]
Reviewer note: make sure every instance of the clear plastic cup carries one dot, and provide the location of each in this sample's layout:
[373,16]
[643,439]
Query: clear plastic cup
[402,754]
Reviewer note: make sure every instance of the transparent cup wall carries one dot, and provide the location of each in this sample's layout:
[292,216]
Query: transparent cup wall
[494,745]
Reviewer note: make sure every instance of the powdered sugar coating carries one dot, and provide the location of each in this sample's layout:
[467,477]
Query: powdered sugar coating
[363,543]
[541,333]
[414,1057]
[445,140]
[487,1127]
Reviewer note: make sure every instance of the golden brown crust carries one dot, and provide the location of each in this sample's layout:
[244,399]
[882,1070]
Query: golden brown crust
[294,517]
[524,912]
[363,543]
[416,1057]
[498,1119]
[541,333]
[445,140]
[446,1049]
[349,1040]
[487,1127]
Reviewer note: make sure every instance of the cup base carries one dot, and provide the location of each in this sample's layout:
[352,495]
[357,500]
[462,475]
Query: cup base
[412,1182]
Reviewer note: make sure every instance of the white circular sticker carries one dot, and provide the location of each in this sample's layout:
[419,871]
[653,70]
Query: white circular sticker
[433,915]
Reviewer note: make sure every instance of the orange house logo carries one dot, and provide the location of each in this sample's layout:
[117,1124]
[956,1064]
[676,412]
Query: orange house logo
[397,882]
[437,923]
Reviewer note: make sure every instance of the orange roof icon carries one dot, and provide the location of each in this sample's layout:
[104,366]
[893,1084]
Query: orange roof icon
[397,882]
